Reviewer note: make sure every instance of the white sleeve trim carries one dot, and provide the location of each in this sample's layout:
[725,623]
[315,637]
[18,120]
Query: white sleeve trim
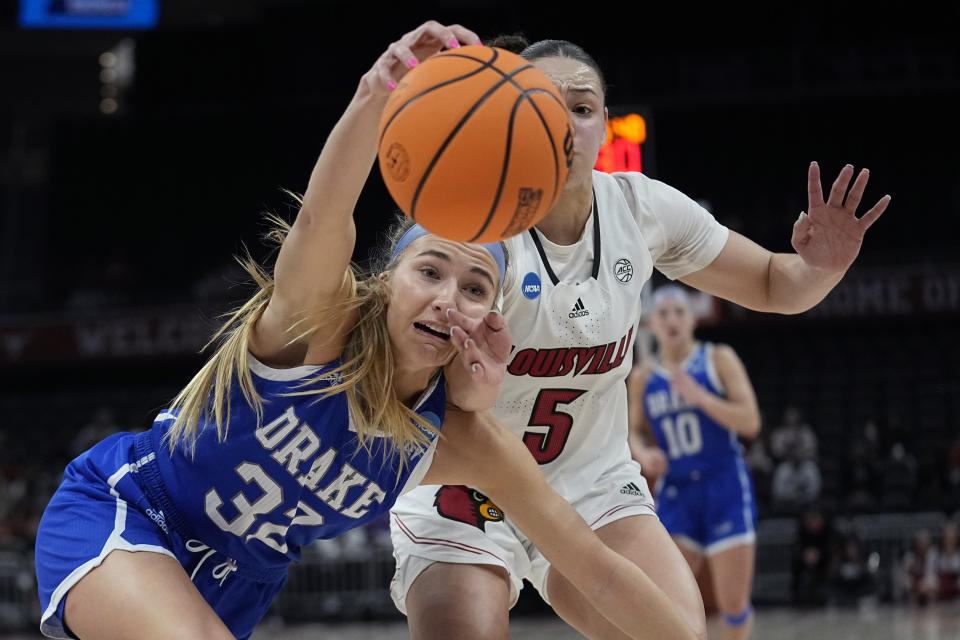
[269,373]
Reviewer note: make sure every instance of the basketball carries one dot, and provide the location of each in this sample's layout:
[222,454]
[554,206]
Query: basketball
[475,144]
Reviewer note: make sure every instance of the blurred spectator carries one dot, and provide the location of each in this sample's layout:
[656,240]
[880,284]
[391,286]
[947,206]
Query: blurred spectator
[811,558]
[899,479]
[796,483]
[793,436]
[861,473]
[929,492]
[917,575]
[895,429]
[853,574]
[948,563]
[952,476]
[761,467]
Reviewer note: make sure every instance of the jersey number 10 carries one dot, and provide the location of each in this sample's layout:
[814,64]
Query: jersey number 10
[683,435]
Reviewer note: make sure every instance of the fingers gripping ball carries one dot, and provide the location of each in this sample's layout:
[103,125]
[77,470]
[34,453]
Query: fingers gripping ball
[475,144]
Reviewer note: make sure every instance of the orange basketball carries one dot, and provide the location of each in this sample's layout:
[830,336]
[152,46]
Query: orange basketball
[475,144]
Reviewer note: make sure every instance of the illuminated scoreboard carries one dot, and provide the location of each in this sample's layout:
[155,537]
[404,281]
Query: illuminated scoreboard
[622,151]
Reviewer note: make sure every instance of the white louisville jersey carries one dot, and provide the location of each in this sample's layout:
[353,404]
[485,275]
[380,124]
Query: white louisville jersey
[573,313]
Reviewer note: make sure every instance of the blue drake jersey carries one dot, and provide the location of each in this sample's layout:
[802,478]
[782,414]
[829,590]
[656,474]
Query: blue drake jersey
[284,481]
[694,441]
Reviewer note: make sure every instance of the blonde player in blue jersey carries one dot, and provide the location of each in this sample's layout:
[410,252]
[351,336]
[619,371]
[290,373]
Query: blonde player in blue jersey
[693,401]
[328,397]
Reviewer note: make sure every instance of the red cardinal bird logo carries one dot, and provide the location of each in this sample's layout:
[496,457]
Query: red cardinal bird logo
[464,504]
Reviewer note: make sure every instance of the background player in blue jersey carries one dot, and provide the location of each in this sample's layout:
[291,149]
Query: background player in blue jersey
[323,402]
[693,401]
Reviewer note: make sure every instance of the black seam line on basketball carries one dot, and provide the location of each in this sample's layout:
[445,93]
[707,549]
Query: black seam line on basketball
[525,94]
[486,65]
[446,143]
[504,167]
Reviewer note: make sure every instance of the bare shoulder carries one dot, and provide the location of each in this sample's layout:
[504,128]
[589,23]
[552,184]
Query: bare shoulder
[728,364]
[725,356]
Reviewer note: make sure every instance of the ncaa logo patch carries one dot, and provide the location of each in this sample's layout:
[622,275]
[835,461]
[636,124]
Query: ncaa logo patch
[623,270]
[531,285]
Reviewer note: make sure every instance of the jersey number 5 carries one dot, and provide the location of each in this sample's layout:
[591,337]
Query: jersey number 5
[546,445]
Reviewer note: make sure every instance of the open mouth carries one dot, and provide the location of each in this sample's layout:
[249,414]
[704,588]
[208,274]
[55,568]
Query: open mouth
[443,335]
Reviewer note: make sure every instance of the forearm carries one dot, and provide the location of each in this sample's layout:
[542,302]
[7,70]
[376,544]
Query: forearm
[616,587]
[631,601]
[314,256]
[755,278]
[793,286]
[348,155]
[740,417]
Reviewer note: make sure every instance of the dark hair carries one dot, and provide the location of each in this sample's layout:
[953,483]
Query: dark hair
[512,42]
[518,43]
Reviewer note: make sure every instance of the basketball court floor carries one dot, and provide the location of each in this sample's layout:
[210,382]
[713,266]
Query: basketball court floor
[877,622]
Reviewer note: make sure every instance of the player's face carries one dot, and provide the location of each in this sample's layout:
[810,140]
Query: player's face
[433,275]
[672,322]
[580,86]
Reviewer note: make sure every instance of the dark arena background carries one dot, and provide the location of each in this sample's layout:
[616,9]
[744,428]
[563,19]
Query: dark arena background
[136,159]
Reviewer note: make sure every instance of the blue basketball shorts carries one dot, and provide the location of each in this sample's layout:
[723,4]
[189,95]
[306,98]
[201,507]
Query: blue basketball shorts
[710,512]
[100,507]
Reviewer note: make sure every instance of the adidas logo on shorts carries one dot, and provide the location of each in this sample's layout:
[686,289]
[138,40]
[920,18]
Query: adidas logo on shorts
[631,489]
[579,310]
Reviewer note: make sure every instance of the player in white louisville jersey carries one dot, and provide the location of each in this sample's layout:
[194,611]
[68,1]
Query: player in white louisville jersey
[572,301]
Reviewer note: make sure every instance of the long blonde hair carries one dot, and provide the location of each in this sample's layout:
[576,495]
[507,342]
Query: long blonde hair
[365,373]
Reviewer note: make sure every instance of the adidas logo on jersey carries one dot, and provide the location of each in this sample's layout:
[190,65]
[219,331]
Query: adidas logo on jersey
[631,489]
[579,310]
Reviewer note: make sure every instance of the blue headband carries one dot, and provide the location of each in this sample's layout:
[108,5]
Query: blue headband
[495,249]
[671,291]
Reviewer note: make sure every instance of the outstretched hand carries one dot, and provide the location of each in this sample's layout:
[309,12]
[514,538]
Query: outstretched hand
[484,345]
[413,48]
[829,235]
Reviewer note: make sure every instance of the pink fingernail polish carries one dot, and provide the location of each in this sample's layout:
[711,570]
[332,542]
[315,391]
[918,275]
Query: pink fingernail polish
[412,62]
[391,85]
[453,44]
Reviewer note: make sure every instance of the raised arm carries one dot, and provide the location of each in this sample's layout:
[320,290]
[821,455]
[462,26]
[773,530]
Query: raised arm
[476,450]
[312,263]
[826,238]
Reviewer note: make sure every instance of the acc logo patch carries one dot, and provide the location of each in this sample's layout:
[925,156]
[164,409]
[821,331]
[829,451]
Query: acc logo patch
[531,285]
[463,504]
[623,270]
